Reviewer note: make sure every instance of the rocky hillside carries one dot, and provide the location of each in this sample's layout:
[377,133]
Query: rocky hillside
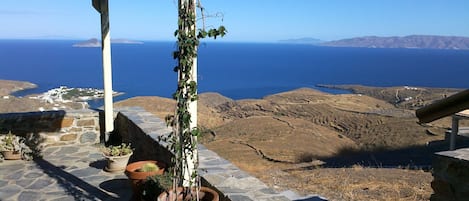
[413,41]
[319,124]
[406,97]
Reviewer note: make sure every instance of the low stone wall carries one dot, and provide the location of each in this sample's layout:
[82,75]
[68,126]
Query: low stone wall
[142,129]
[52,128]
[451,175]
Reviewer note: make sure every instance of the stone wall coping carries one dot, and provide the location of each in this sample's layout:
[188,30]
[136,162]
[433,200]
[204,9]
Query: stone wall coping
[462,154]
[450,175]
[82,112]
[88,112]
[235,184]
[35,113]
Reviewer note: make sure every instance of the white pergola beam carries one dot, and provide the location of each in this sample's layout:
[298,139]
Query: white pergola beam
[102,7]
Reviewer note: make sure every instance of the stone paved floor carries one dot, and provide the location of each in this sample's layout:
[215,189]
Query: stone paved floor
[64,173]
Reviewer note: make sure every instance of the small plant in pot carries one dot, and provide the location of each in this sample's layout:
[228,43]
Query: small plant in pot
[155,185]
[117,157]
[139,171]
[158,187]
[13,147]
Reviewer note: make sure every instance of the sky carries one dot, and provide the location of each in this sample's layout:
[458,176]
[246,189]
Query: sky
[245,20]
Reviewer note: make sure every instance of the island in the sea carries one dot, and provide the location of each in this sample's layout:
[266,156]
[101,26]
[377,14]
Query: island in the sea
[93,42]
[412,41]
[306,40]
[88,43]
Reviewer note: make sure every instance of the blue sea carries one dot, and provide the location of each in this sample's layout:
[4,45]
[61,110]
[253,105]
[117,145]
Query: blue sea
[236,70]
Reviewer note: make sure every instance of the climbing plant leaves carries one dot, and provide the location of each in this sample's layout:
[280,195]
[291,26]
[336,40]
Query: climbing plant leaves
[184,138]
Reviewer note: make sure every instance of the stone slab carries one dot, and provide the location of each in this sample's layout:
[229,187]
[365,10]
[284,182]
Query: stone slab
[462,154]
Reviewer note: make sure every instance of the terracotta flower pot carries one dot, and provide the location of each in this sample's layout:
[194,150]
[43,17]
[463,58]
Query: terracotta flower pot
[11,155]
[117,163]
[205,194]
[138,178]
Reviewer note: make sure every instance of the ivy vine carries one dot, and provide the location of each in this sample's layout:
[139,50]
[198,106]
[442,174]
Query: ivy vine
[183,139]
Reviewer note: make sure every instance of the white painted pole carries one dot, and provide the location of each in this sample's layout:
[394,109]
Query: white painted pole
[193,105]
[102,6]
[192,109]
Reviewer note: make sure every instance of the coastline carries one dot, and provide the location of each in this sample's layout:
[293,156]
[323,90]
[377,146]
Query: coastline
[60,98]
[406,97]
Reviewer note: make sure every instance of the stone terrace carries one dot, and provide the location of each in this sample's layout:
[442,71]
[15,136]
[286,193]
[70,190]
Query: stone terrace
[64,173]
[72,165]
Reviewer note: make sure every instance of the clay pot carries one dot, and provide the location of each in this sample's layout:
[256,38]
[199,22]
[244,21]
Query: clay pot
[138,179]
[117,163]
[205,194]
[11,155]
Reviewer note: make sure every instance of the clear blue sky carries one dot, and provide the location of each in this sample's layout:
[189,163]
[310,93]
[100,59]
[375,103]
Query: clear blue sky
[246,20]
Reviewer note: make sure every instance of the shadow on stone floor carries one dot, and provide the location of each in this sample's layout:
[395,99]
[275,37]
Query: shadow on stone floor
[99,164]
[73,186]
[115,186]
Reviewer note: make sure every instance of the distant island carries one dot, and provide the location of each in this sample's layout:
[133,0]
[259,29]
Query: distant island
[306,40]
[88,43]
[93,42]
[413,41]
[125,41]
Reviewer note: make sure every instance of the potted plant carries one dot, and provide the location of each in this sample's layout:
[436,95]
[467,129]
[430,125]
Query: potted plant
[155,185]
[117,157]
[184,193]
[138,172]
[13,147]
[183,138]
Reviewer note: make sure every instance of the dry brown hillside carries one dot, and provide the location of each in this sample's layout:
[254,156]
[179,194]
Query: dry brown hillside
[10,86]
[401,96]
[163,107]
[365,120]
